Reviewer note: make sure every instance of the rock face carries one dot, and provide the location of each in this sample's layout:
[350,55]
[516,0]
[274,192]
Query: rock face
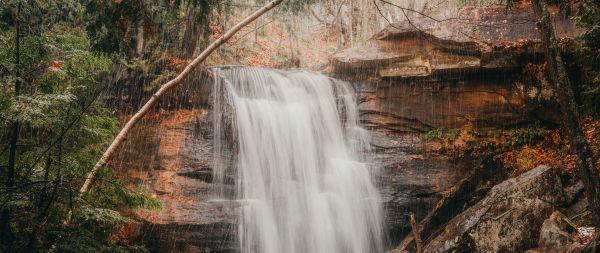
[417,106]
[508,219]
[413,184]
[170,155]
[440,189]
[461,71]
[465,40]
[452,69]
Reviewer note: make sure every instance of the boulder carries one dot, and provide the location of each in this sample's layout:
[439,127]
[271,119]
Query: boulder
[559,235]
[556,231]
[508,219]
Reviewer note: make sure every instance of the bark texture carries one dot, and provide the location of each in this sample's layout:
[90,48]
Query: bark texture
[196,26]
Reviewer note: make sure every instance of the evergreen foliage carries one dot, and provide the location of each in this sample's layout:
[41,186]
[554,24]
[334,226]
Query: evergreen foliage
[589,56]
[145,38]
[63,125]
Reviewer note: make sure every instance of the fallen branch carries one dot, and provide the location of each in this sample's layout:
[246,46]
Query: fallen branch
[585,212]
[453,200]
[415,232]
[503,214]
[166,87]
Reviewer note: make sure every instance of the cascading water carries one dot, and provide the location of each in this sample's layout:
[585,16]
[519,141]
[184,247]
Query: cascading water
[301,172]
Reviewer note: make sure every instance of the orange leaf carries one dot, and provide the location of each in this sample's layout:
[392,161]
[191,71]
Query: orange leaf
[56,64]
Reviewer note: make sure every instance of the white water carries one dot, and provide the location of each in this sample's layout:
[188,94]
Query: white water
[300,170]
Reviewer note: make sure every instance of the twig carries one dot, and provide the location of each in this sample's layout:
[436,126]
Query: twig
[466,21]
[383,16]
[405,243]
[245,34]
[403,12]
[503,214]
[581,214]
[569,221]
[410,22]
[415,11]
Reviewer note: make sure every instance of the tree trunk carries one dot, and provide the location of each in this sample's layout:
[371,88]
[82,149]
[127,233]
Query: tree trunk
[139,38]
[196,26]
[190,35]
[166,87]
[5,231]
[580,148]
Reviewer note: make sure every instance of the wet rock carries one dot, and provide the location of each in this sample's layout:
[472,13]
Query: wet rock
[170,155]
[508,219]
[415,185]
[418,106]
[189,238]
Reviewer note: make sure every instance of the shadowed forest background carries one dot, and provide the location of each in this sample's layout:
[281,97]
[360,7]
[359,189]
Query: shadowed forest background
[72,72]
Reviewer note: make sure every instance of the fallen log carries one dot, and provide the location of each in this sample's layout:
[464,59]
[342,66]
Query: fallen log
[454,200]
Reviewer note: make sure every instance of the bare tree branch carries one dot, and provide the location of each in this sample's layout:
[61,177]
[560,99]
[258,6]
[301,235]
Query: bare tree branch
[466,21]
[166,87]
[415,11]
[315,15]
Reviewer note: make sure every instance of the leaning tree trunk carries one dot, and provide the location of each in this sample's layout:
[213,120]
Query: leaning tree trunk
[166,87]
[558,75]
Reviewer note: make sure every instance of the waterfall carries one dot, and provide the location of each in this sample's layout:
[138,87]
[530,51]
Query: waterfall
[301,171]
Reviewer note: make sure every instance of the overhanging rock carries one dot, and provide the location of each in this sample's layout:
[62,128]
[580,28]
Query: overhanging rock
[471,39]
